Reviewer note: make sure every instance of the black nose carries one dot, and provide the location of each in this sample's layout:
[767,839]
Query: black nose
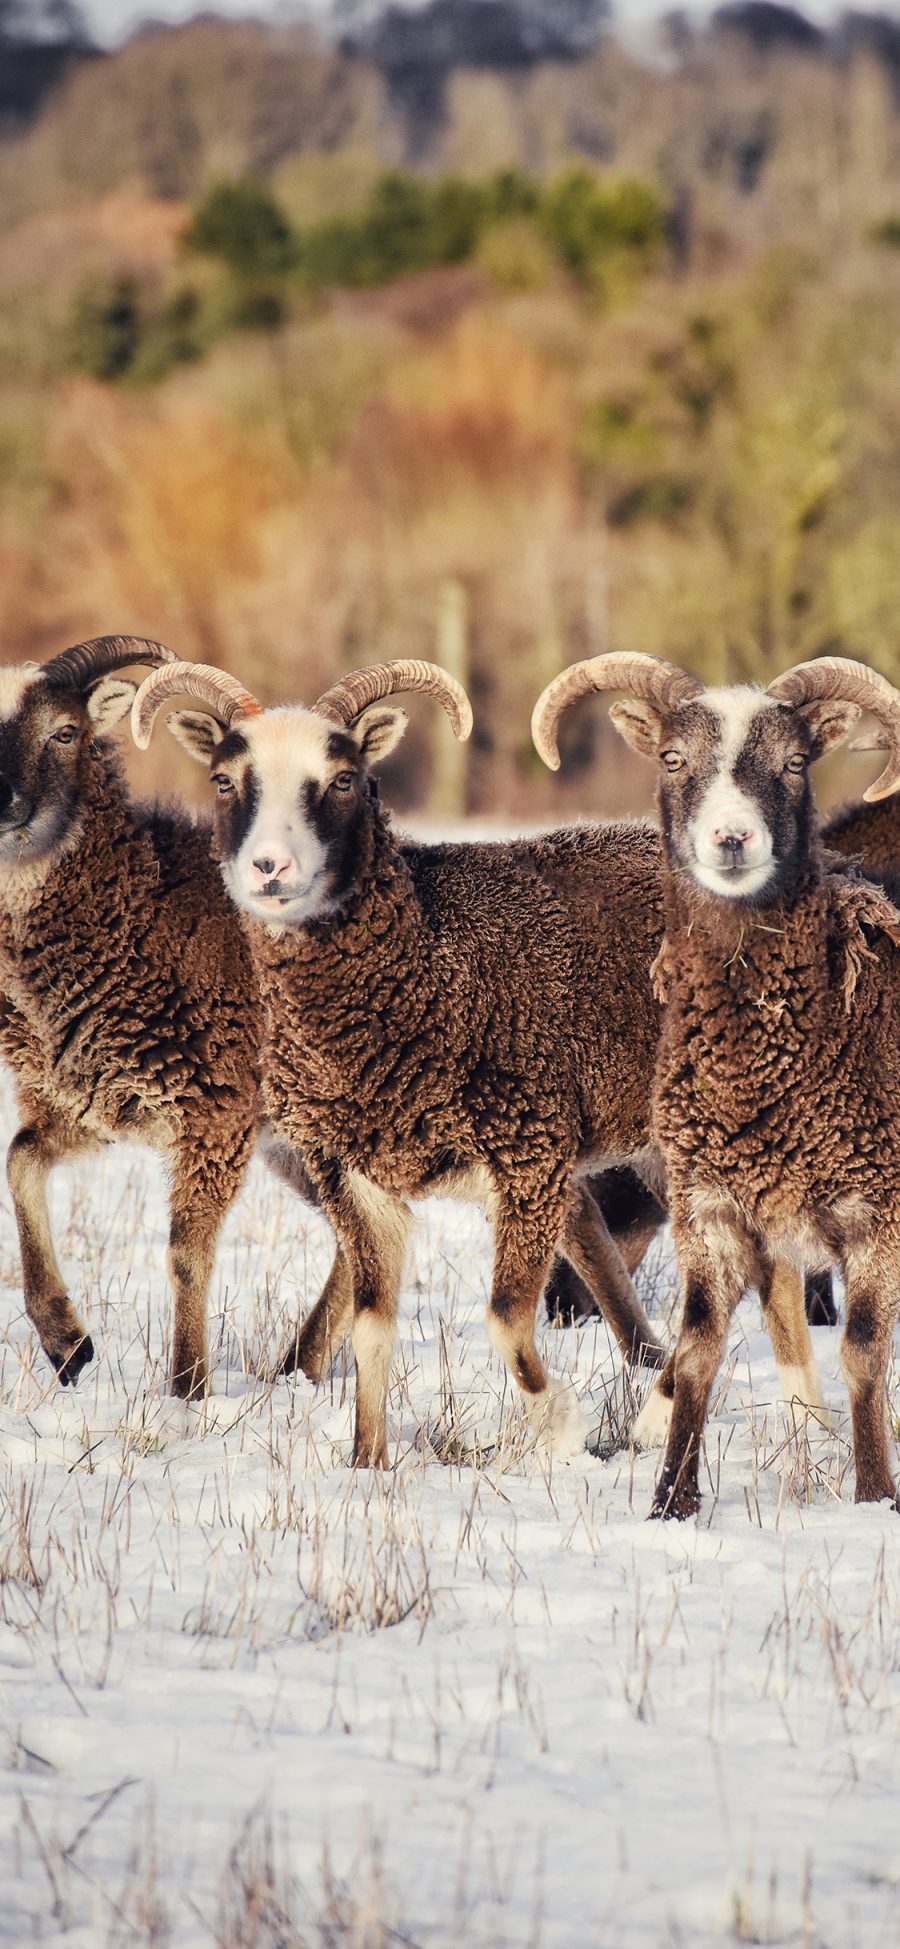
[734,849]
[266,866]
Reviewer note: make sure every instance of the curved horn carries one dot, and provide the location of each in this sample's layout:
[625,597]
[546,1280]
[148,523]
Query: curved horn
[226,697]
[84,662]
[649,677]
[854,683]
[345,700]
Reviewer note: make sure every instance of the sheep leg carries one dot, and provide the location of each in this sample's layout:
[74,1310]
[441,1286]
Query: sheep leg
[713,1287]
[633,1218]
[522,1255]
[821,1309]
[203,1190]
[372,1228]
[864,1358]
[31,1156]
[314,1344]
[781,1291]
[595,1256]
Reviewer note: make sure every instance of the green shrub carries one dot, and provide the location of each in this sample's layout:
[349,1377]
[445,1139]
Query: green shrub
[242,223]
[589,221]
[104,328]
[115,333]
[515,254]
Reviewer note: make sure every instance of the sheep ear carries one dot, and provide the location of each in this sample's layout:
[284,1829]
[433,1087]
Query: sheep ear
[108,702]
[639,724]
[378,731]
[829,721]
[197,731]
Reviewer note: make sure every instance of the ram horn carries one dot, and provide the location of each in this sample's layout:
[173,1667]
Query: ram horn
[74,669]
[648,677]
[225,695]
[854,683]
[345,700]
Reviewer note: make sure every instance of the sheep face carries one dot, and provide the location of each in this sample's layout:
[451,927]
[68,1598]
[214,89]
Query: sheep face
[735,798]
[293,803]
[45,734]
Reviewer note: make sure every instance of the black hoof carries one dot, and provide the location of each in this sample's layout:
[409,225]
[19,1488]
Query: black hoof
[648,1353]
[674,1505]
[568,1299]
[69,1365]
[289,1362]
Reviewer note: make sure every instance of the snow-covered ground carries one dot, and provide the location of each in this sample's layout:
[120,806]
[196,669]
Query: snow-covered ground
[250,1699]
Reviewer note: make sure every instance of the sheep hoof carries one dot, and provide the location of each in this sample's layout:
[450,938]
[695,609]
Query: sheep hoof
[190,1385]
[366,1457]
[674,1504]
[649,1353]
[559,1429]
[651,1429]
[68,1366]
[877,1491]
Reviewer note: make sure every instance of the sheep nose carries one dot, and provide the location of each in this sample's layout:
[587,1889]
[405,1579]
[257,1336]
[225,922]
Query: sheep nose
[269,867]
[730,836]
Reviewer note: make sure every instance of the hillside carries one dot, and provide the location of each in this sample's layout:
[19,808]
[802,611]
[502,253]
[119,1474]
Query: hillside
[612,359]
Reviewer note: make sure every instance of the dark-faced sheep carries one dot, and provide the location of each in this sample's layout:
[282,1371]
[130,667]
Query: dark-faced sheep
[470,1019]
[129,1009]
[775,1099]
[868,833]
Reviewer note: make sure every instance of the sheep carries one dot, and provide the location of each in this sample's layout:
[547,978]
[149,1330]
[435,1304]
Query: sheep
[129,1007]
[474,1019]
[776,1086]
[634,1215]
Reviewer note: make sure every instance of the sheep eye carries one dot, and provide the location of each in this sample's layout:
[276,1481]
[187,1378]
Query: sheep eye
[66,734]
[343,782]
[796,762]
[673,761]
[222,783]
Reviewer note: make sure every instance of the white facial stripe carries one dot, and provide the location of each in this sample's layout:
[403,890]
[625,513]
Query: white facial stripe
[725,811]
[735,709]
[13,684]
[288,749]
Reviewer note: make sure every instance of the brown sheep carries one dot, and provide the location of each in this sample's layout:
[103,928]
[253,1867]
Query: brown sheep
[473,1019]
[775,1097]
[868,833]
[129,1009]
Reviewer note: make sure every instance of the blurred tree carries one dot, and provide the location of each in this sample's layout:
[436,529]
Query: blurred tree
[243,223]
[586,219]
[104,331]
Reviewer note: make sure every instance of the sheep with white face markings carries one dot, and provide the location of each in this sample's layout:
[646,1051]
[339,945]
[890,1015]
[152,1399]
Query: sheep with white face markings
[471,1019]
[870,835]
[420,1028]
[775,1098]
[129,1008]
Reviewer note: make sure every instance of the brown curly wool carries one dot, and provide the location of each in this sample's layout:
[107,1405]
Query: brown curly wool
[130,1011]
[776,1087]
[769,1012]
[870,833]
[774,1104]
[477,1015]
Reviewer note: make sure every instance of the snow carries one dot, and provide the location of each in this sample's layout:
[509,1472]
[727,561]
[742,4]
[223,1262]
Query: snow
[250,1698]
